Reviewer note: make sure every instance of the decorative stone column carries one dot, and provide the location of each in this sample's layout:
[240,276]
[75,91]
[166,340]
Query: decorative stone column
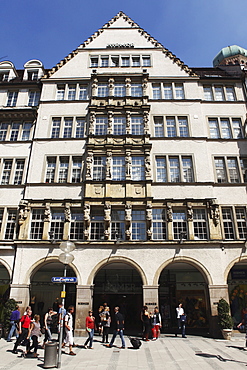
[216,292]
[23,219]
[190,235]
[128,86]
[169,218]
[94,87]
[47,219]
[83,305]
[67,219]
[150,296]
[111,86]
[20,293]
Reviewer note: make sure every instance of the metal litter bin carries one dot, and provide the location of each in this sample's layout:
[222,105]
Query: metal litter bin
[50,357]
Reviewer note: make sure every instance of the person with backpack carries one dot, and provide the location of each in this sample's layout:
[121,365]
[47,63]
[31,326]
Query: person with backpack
[24,326]
[118,324]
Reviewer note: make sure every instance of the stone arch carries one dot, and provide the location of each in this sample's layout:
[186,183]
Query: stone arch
[6,265]
[114,259]
[42,262]
[191,261]
[231,264]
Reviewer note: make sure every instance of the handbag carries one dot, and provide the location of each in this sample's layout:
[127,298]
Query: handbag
[42,330]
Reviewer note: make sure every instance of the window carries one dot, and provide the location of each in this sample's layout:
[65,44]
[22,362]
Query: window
[33,99]
[179,225]
[230,95]
[227,170]
[220,169]
[233,170]
[241,222]
[228,223]
[67,127]
[161,169]
[213,128]
[119,125]
[97,224]
[174,169]
[71,92]
[19,169]
[225,128]
[219,94]
[159,223]
[243,164]
[125,61]
[50,169]
[136,90]
[60,92]
[4,76]
[137,127]
[118,224]
[94,62]
[177,126]
[1,218]
[119,90]
[83,92]
[138,170]
[104,61]
[156,91]
[99,168]
[101,125]
[168,94]
[12,98]
[237,128]
[56,123]
[208,93]
[103,90]
[67,130]
[118,168]
[80,127]
[68,169]
[10,225]
[115,61]
[3,131]
[76,169]
[7,167]
[136,61]
[138,225]
[32,75]
[57,224]
[37,224]
[158,127]
[187,169]
[146,61]
[76,225]
[200,224]
[26,130]
[63,169]
[14,131]
[183,127]
[179,91]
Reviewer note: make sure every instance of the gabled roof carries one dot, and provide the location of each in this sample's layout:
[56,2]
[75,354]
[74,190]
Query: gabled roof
[157,44]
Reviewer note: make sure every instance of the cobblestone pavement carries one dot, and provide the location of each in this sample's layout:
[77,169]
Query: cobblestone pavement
[168,352]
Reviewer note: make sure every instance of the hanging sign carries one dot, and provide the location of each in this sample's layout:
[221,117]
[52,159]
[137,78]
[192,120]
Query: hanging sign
[64,279]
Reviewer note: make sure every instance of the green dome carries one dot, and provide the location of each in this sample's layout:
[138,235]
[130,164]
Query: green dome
[227,52]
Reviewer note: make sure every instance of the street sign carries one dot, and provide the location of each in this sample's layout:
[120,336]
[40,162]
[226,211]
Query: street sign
[64,279]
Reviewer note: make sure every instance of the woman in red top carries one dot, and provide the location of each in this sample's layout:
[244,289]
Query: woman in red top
[90,324]
[24,325]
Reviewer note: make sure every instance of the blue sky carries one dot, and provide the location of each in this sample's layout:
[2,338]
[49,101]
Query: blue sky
[194,30]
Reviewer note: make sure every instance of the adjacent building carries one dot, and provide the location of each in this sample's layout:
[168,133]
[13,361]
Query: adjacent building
[140,161]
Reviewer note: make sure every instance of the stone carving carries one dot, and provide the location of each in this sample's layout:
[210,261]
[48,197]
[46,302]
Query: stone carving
[107,234]
[23,211]
[91,123]
[128,208]
[146,120]
[149,212]
[107,211]
[189,213]
[94,87]
[89,167]
[47,213]
[128,234]
[108,165]
[110,118]
[67,213]
[111,86]
[144,86]
[128,86]
[215,214]
[148,166]
[128,164]
[87,214]
[86,234]
[169,213]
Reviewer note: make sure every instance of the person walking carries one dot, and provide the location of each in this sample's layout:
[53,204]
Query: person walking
[145,317]
[105,322]
[47,325]
[24,325]
[69,329]
[14,322]
[118,325]
[156,323]
[183,319]
[34,333]
[244,322]
[90,326]
[180,323]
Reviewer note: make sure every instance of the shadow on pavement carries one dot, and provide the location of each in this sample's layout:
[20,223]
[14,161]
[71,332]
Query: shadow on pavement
[220,358]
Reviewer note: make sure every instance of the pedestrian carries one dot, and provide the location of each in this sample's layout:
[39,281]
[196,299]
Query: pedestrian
[244,322]
[90,326]
[145,317]
[180,322]
[118,325]
[69,329]
[14,322]
[105,322]
[48,325]
[98,323]
[34,333]
[156,323]
[61,316]
[24,325]
[183,319]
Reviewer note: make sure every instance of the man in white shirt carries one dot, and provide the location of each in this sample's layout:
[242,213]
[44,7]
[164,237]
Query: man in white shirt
[180,312]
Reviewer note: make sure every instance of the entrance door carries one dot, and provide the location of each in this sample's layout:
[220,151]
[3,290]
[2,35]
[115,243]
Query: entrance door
[119,284]
[183,283]
[237,286]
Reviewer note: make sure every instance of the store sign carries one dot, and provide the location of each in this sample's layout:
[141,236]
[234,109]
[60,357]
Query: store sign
[239,274]
[120,46]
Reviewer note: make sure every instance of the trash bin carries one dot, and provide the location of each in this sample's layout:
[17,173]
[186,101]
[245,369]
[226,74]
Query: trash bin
[50,357]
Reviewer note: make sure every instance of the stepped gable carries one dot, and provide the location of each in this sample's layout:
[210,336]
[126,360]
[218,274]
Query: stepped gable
[132,24]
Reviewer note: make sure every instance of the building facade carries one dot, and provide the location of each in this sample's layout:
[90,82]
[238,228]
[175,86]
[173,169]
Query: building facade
[138,159]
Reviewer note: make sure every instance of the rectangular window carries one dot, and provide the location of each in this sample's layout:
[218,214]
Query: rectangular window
[220,170]
[136,90]
[161,169]
[228,223]
[168,94]
[208,93]
[179,91]
[174,169]
[179,225]
[200,224]
[33,99]
[1,219]
[101,125]
[125,61]
[76,169]
[146,61]
[37,224]
[55,131]
[14,131]
[225,128]
[118,168]
[83,92]
[67,130]
[4,76]
[237,128]
[214,129]
[80,124]
[118,224]
[10,225]
[63,169]
[158,127]
[115,61]
[183,127]
[119,125]
[230,95]
[159,224]
[156,91]
[219,93]
[7,167]
[76,225]
[103,90]
[241,222]
[104,61]
[94,62]
[50,169]
[26,130]
[12,98]
[3,131]
[138,225]
[243,164]
[233,170]
[97,224]
[60,92]
[19,169]
[187,169]
[119,90]
[57,224]
[99,168]
[32,75]
[137,127]
[171,127]
[136,61]
[138,170]
[71,92]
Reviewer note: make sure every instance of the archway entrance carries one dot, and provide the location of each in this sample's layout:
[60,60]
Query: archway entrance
[4,286]
[44,293]
[182,282]
[237,287]
[119,284]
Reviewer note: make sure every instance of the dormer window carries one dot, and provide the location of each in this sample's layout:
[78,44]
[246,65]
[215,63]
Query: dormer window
[4,76]
[32,75]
